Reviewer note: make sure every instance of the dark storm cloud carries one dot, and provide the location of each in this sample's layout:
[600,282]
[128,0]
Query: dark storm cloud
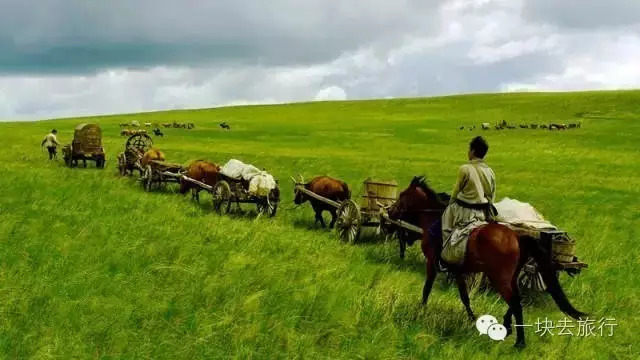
[66,36]
[583,14]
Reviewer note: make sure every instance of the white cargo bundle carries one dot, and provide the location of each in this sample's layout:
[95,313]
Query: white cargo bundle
[260,182]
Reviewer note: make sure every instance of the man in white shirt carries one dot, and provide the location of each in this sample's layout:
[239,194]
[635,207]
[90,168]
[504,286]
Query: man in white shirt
[471,203]
[51,142]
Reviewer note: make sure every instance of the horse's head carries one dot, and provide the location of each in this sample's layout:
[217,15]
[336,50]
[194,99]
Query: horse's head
[416,198]
[298,196]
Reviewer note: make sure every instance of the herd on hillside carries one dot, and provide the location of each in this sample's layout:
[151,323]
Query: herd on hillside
[504,125]
[125,131]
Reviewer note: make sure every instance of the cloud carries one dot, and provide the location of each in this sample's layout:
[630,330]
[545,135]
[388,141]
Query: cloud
[72,58]
[331,93]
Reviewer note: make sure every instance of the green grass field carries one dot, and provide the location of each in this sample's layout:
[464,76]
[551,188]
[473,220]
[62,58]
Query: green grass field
[91,266]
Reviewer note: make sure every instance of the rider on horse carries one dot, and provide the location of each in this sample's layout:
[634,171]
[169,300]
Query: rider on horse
[471,203]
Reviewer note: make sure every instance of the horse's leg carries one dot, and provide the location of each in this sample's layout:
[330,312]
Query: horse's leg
[464,295]
[503,282]
[403,245]
[432,271]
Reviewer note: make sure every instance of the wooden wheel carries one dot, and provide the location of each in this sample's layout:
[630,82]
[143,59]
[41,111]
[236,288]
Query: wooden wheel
[122,163]
[147,178]
[222,197]
[267,205]
[349,221]
[142,142]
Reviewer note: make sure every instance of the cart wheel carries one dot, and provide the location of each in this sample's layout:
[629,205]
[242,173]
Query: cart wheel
[147,178]
[530,279]
[267,206]
[348,223]
[222,197]
[122,163]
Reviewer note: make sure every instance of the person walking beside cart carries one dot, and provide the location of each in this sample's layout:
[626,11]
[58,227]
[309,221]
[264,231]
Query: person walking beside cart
[51,142]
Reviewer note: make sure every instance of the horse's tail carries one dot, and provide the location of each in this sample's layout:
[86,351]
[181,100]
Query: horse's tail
[548,272]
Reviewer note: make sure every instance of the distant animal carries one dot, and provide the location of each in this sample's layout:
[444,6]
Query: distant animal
[511,126]
[124,125]
[498,127]
[224,125]
[462,127]
[147,124]
[524,126]
[135,123]
[486,126]
[534,126]
[557,126]
[325,186]
[166,125]
[157,132]
[152,154]
[543,126]
[125,132]
[190,126]
[203,171]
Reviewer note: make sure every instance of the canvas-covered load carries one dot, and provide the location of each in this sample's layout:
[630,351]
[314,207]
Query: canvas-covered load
[521,214]
[87,138]
[260,182]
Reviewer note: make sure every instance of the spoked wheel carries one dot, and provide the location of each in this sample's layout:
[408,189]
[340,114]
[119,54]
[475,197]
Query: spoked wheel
[122,163]
[222,197]
[530,279]
[139,142]
[267,206]
[349,221]
[147,178]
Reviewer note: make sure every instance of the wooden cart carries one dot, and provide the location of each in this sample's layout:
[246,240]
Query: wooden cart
[135,147]
[229,190]
[86,145]
[562,248]
[161,172]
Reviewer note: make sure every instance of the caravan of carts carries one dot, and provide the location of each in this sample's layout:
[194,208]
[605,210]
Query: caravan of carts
[352,217]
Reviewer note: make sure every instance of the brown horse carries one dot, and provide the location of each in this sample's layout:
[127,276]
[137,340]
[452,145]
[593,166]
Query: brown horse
[203,171]
[327,187]
[493,249]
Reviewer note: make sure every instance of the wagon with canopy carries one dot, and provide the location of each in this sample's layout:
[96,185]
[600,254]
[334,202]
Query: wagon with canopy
[242,183]
[86,145]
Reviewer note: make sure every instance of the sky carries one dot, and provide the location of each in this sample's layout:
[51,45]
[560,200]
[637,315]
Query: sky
[62,58]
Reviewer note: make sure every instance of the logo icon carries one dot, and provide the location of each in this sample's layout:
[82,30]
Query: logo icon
[497,332]
[484,322]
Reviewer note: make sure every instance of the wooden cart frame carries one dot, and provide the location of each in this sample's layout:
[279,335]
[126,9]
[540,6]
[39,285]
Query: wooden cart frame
[86,145]
[135,147]
[228,190]
[161,172]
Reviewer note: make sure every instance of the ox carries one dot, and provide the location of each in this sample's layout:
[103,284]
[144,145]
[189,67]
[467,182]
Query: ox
[203,171]
[327,187]
[153,154]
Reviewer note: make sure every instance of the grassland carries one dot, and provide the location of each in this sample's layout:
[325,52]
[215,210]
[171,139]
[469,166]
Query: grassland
[91,266]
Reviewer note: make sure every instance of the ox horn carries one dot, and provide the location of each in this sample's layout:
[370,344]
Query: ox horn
[294,180]
[301,179]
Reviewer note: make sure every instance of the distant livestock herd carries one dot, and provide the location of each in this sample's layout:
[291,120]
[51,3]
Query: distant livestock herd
[503,125]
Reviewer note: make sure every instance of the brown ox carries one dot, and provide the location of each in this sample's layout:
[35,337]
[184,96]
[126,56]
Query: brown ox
[153,154]
[327,187]
[203,171]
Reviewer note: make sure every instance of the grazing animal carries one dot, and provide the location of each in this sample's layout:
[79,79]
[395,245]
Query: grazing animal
[125,132]
[462,127]
[147,124]
[152,154]
[557,126]
[534,126]
[190,126]
[224,125]
[167,125]
[203,171]
[157,132]
[327,187]
[543,126]
[524,126]
[498,127]
[493,249]
[511,126]
[124,125]
[486,126]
